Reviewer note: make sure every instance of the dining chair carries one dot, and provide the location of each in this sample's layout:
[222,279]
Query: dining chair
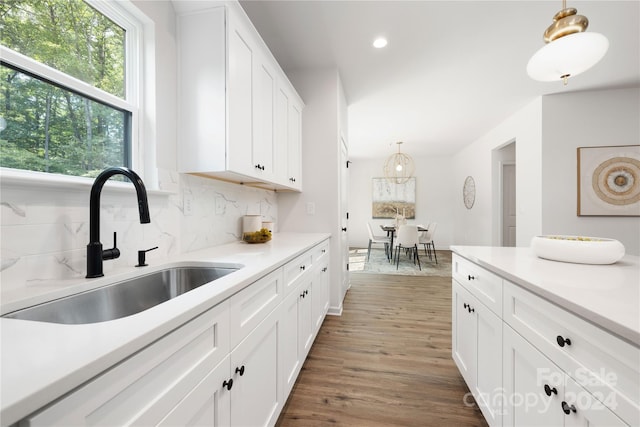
[377,239]
[407,238]
[426,239]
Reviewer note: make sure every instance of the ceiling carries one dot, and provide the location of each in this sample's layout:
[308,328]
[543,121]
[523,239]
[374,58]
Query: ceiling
[452,70]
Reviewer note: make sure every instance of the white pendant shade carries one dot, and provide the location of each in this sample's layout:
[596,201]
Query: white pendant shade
[567,56]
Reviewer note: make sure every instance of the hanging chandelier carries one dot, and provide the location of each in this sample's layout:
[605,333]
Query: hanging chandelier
[398,168]
[569,50]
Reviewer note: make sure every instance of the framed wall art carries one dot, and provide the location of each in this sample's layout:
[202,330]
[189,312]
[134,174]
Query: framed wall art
[609,181]
[390,199]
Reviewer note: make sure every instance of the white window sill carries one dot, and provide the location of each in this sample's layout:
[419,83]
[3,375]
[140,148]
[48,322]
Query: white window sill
[15,178]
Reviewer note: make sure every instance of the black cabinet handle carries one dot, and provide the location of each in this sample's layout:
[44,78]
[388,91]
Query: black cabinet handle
[302,267]
[568,409]
[471,309]
[240,370]
[228,384]
[465,305]
[259,166]
[324,270]
[562,341]
[550,390]
[302,295]
[470,277]
[292,179]
[344,228]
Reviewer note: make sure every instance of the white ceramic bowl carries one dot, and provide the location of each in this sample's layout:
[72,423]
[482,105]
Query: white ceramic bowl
[578,249]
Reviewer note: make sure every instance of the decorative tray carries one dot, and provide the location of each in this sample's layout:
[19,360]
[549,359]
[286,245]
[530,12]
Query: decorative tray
[578,249]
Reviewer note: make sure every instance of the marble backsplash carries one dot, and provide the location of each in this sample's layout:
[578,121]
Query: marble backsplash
[44,231]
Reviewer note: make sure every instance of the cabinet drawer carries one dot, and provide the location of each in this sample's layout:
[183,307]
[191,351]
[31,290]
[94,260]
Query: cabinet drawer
[605,365]
[320,252]
[251,305]
[143,388]
[295,269]
[483,284]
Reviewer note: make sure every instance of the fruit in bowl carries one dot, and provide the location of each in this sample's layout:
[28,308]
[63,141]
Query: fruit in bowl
[260,236]
[578,249]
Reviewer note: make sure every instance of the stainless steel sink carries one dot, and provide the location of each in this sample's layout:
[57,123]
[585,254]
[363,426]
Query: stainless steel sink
[123,298]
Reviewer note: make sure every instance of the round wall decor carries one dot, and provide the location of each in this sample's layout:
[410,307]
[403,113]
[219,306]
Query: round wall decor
[469,192]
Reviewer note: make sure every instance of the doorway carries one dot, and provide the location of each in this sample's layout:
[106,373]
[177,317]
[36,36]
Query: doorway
[504,182]
[508,204]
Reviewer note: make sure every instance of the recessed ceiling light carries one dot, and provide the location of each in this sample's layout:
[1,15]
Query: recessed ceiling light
[380,42]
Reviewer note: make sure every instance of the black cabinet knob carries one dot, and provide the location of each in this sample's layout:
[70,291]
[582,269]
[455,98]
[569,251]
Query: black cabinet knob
[562,341]
[471,309]
[470,277]
[465,305]
[302,267]
[228,384]
[567,409]
[548,390]
[344,228]
[240,370]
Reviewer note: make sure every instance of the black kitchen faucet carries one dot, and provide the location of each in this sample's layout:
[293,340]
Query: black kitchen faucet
[95,254]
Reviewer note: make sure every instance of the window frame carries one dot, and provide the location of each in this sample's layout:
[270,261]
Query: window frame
[123,14]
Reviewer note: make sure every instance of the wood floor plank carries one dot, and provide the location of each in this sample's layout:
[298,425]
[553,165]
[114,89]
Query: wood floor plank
[385,362]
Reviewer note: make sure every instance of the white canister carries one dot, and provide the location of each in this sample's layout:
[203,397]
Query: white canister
[251,223]
[269,225]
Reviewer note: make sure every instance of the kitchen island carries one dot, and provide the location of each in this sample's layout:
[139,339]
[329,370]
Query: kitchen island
[41,362]
[538,341]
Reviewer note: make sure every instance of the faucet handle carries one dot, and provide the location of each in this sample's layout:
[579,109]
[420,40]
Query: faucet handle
[141,257]
[112,253]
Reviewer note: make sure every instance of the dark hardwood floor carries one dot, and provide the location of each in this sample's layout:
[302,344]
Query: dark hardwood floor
[385,362]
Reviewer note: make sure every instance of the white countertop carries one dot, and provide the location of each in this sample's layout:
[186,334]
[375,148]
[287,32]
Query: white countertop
[606,295]
[40,361]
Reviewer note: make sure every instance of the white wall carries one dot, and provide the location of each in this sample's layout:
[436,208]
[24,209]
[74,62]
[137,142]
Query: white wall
[480,224]
[435,198]
[585,119]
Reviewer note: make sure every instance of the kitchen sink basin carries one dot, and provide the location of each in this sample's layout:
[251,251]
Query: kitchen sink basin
[124,298]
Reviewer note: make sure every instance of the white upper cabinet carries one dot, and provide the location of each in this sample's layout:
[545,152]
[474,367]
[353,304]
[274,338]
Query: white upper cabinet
[239,116]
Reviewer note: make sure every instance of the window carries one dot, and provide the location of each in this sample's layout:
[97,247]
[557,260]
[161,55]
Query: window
[67,90]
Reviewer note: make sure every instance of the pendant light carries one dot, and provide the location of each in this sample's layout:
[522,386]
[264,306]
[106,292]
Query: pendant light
[398,168]
[569,50]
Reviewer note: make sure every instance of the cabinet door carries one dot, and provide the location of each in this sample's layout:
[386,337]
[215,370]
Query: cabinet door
[320,295]
[533,385]
[294,143]
[208,404]
[305,320]
[263,120]
[463,339]
[488,379]
[281,131]
[289,344]
[240,98]
[585,410]
[256,396]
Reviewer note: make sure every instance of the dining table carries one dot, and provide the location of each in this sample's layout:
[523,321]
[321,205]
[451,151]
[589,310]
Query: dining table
[391,231]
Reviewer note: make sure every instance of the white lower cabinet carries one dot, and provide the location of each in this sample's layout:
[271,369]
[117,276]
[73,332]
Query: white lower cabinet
[256,395]
[477,351]
[162,381]
[233,365]
[529,362]
[538,393]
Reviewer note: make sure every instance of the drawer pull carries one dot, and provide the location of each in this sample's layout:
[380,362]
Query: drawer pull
[240,370]
[228,384]
[468,307]
[562,341]
[550,390]
[465,305]
[324,270]
[471,309]
[302,267]
[471,277]
[568,409]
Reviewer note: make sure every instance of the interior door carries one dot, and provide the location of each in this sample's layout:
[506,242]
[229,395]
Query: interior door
[344,215]
[508,204]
